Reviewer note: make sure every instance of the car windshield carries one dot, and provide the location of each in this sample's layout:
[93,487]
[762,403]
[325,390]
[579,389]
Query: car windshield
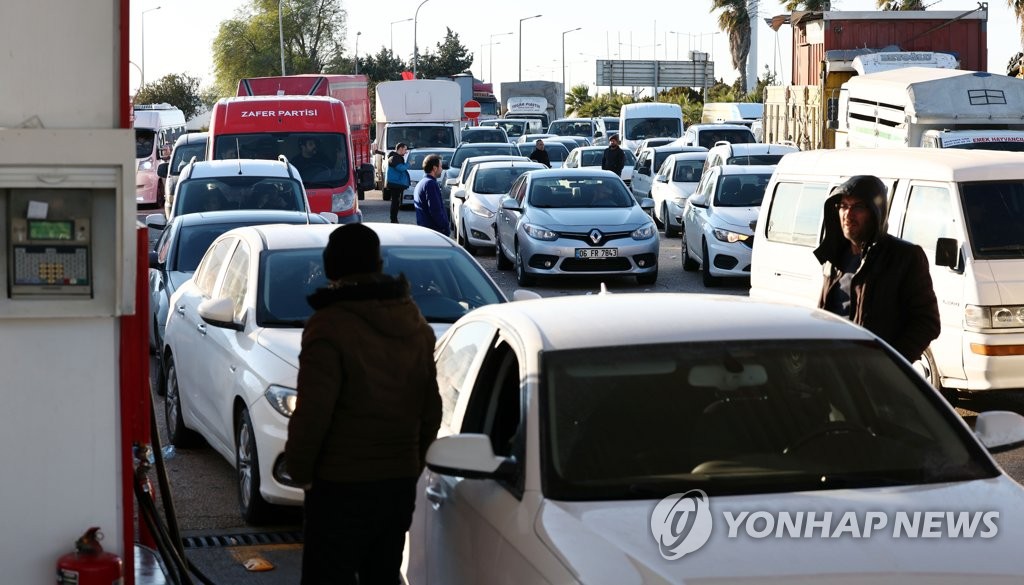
[742,417]
[239,192]
[184,154]
[512,129]
[611,124]
[755,159]
[144,142]
[641,128]
[687,171]
[993,144]
[494,181]
[708,138]
[421,136]
[572,128]
[593,157]
[472,135]
[556,150]
[741,190]
[566,192]
[445,282]
[415,157]
[995,218]
[462,153]
[321,159]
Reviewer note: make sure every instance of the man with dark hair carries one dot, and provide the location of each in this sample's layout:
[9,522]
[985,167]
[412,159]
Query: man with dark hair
[366,411]
[427,200]
[310,160]
[539,154]
[614,158]
[873,278]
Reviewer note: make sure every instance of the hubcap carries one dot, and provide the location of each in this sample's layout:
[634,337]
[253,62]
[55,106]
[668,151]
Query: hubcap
[171,401]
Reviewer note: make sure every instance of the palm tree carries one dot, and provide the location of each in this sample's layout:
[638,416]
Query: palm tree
[1018,12]
[578,96]
[808,5]
[734,20]
[900,4]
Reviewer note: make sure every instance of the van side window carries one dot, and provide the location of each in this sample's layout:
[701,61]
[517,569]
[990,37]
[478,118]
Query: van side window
[929,217]
[796,212]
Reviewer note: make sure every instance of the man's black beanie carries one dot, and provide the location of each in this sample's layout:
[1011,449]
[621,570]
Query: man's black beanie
[351,249]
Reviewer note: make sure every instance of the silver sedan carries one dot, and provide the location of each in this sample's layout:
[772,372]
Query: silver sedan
[573,221]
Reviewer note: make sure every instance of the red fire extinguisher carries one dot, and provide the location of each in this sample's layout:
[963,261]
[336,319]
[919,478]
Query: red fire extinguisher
[89,565]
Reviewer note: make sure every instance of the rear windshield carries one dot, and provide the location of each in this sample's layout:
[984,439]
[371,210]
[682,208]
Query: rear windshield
[741,190]
[755,159]
[708,138]
[414,158]
[239,192]
[580,128]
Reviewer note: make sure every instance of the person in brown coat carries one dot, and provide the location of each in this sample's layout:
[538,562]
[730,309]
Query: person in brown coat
[875,279]
[367,409]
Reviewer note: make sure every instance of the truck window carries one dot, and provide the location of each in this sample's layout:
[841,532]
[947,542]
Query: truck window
[929,217]
[796,212]
[994,213]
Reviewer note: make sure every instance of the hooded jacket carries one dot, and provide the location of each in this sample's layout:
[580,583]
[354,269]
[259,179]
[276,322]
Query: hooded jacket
[368,405]
[891,293]
[398,171]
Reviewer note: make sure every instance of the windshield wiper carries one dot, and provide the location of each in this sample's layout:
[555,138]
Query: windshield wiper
[1006,248]
[285,323]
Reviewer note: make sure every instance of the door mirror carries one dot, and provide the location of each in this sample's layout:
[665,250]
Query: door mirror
[468,455]
[364,177]
[947,253]
[999,429]
[219,313]
[161,170]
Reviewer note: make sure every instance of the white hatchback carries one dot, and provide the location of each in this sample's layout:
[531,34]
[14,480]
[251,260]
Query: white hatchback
[687,438]
[676,180]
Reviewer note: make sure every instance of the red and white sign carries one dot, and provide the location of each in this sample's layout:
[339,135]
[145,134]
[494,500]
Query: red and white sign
[471,109]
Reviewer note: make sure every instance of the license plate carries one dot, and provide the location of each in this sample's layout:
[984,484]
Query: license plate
[597,252]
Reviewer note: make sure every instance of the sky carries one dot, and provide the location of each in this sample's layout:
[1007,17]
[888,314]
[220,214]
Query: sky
[609,29]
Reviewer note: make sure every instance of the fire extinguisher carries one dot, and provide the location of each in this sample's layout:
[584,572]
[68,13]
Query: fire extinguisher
[89,565]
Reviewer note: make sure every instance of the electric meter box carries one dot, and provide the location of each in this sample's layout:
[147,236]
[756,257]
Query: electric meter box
[67,203]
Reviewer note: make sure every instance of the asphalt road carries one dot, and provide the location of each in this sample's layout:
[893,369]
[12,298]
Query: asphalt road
[203,483]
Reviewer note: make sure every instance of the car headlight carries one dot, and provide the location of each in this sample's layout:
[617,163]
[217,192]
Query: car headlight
[727,236]
[998,317]
[478,208]
[539,233]
[643,233]
[344,200]
[282,399]
[145,165]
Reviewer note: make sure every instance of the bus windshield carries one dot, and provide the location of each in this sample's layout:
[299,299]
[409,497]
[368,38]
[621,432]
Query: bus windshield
[321,159]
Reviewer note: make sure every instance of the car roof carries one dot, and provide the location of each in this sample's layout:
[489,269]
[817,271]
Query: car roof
[241,215]
[558,323]
[935,164]
[192,138]
[676,149]
[746,169]
[519,161]
[718,126]
[564,172]
[493,157]
[241,166]
[692,155]
[283,237]
[743,148]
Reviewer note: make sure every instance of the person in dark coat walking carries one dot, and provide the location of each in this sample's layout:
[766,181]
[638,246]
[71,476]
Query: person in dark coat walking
[427,199]
[397,179]
[367,408]
[539,154]
[614,159]
[873,278]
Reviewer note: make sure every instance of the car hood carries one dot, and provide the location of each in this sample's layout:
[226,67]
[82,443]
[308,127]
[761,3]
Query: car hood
[739,217]
[613,542]
[282,342]
[612,217]
[489,201]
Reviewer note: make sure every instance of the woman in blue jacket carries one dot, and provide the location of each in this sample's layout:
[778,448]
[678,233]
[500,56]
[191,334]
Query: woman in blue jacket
[397,180]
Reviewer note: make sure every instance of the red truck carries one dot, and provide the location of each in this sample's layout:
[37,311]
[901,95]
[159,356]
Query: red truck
[351,90]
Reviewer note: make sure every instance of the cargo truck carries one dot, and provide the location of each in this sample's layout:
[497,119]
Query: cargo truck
[538,100]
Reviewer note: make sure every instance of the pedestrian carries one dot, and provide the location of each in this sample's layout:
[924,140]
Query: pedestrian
[875,279]
[539,154]
[427,200]
[614,159]
[367,408]
[397,179]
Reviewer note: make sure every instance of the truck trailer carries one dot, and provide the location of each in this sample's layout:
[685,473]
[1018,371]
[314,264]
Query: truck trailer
[538,100]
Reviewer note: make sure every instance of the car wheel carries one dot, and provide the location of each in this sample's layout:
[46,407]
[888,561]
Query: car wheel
[503,262]
[707,278]
[689,264]
[177,433]
[253,507]
[522,277]
[925,366]
[657,220]
[464,239]
[649,278]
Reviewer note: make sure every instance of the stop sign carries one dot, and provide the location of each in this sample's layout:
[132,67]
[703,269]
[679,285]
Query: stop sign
[471,109]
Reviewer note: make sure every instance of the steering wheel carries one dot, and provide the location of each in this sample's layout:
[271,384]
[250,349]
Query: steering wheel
[832,428]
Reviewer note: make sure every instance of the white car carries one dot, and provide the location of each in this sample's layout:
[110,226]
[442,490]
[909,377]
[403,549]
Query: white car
[590,157]
[717,233]
[751,153]
[232,338]
[475,204]
[576,449]
[675,181]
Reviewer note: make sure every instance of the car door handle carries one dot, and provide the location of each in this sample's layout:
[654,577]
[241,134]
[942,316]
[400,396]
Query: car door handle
[201,328]
[435,496]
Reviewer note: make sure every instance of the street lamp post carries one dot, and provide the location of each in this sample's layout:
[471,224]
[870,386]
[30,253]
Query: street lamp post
[280,33]
[490,66]
[142,34]
[563,54]
[521,43]
[490,49]
[358,34]
[392,48]
[415,46]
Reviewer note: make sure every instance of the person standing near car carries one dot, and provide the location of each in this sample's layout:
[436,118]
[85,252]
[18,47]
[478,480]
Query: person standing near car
[397,178]
[614,159]
[539,154]
[427,200]
[873,278]
[367,408]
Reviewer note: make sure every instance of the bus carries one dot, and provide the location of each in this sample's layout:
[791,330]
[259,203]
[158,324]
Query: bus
[157,127]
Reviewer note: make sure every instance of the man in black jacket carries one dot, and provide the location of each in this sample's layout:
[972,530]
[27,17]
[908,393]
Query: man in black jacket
[540,155]
[873,278]
[614,158]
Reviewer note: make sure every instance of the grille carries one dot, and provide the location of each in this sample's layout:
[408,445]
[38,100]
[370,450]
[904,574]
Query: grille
[585,237]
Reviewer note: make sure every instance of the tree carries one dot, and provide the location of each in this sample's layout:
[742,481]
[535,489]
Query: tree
[900,5]
[249,44]
[578,96]
[808,5]
[735,21]
[384,66]
[450,59]
[608,104]
[179,90]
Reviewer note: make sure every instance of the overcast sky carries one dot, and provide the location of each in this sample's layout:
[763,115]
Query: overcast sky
[179,34]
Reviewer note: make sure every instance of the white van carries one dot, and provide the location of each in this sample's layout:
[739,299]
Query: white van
[157,127]
[964,208]
[648,120]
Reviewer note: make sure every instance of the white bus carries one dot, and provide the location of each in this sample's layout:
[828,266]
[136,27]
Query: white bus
[648,120]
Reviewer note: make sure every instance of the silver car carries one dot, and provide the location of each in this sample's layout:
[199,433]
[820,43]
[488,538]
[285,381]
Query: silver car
[574,221]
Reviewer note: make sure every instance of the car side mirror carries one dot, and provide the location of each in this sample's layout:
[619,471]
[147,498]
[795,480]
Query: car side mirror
[647,204]
[452,182]
[468,455]
[661,178]
[460,194]
[154,259]
[364,177]
[598,134]
[947,253]
[161,170]
[999,429]
[219,313]
[329,216]
[156,221]
[510,204]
